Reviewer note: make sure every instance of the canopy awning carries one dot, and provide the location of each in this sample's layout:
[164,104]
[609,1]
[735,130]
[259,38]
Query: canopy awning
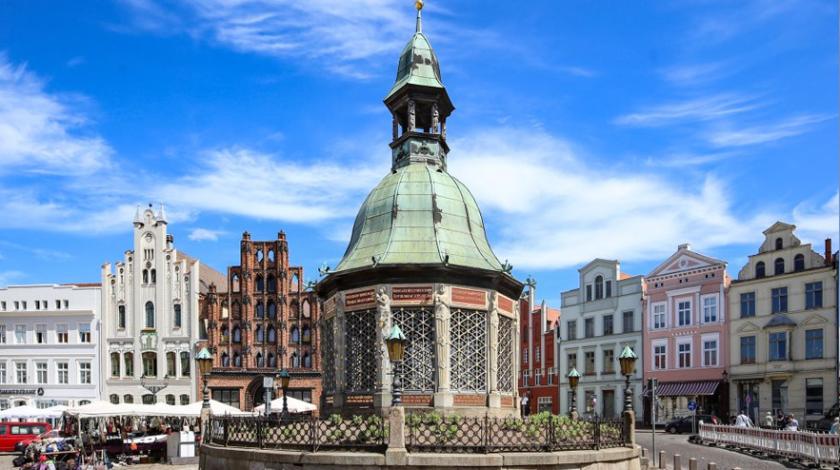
[685,389]
[293,405]
[106,409]
[29,412]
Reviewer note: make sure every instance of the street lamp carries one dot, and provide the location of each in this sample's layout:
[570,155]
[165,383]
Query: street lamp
[396,349]
[284,377]
[205,363]
[627,360]
[574,378]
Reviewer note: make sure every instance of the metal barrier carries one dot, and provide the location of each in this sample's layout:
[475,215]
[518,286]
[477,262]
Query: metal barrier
[820,448]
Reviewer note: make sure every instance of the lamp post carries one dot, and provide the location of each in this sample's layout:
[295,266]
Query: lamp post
[627,360]
[205,362]
[284,377]
[574,378]
[396,349]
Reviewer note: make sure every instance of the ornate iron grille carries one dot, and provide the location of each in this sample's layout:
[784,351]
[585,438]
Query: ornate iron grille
[360,357]
[417,370]
[468,351]
[328,355]
[504,381]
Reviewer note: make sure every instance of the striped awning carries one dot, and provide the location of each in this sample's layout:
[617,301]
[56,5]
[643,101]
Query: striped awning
[685,389]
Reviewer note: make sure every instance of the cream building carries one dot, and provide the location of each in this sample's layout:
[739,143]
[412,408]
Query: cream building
[783,331]
[599,317]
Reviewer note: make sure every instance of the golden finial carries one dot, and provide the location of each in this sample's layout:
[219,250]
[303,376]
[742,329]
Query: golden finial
[419,4]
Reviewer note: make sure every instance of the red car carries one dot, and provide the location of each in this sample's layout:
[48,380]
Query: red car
[13,432]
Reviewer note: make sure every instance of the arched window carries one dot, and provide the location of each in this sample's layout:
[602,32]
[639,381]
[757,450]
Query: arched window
[260,337]
[128,359]
[150,315]
[260,284]
[779,243]
[149,399]
[259,311]
[154,276]
[260,360]
[225,309]
[799,262]
[272,310]
[272,360]
[115,399]
[145,276]
[185,399]
[271,255]
[272,283]
[259,256]
[295,335]
[170,364]
[237,335]
[237,360]
[225,360]
[177,315]
[185,364]
[236,309]
[234,283]
[307,360]
[307,334]
[759,269]
[225,336]
[149,364]
[295,359]
[170,400]
[779,266]
[128,398]
[295,282]
[307,309]
[272,335]
[121,317]
[599,287]
[115,364]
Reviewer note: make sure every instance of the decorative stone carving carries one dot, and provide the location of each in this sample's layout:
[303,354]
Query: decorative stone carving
[411,115]
[442,314]
[435,118]
[494,343]
[383,324]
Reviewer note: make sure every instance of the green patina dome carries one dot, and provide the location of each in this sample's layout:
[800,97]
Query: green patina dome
[419,215]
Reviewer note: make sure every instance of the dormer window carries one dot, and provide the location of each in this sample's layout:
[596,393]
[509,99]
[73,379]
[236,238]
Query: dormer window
[779,243]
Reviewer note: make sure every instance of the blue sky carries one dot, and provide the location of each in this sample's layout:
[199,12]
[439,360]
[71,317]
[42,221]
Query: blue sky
[584,129]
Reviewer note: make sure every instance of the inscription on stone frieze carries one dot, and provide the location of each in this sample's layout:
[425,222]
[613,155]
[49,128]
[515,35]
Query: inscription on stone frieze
[415,295]
[364,298]
[471,297]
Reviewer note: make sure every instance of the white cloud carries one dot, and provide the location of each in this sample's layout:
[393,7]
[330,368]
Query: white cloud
[694,110]
[7,277]
[695,74]
[39,132]
[815,222]
[763,134]
[203,234]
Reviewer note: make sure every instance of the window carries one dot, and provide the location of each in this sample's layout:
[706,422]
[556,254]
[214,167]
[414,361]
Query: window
[799,263]
[307,360]
[115,364]
[813,295]
[608,324]
[57,304]
[272,310]
[145,276]
[779,300]
[571,329]
[63,372]
[778,346]
[128,398]
[84,373]
[272,283]
[185,363]
[170,399]
[659,316]
[185,399]
[571,362]
[225,360]
[260,284]
[599,287]
[115,399]
[84,332]
[260,360]
[149,399]
[778,392]
[237,335]
[272,360]
[608,286]
[20,334]
[154,276]
[170,364]
[550,377]
[234,283]
[228,396]
[307,334]
[295,360]
[40,334]
[40,372]
[814,344]
[628,319]
[272,335]
[537,354]
[149,364]
[659,361]
[2,334]
[609,361]
[747,304]
[684,313]
[259,310]
[779,266]
[814,396]
[128,358]
[2,372]
[588,292]
[710,352]
[20,372]
[759,269]
[177,315]
[295,335]
[121,317]
[684,355]
[748,350]
[237,360]
[710,309]
[589,362]
[779,243]
[150,315]
[61,335]
[589,327]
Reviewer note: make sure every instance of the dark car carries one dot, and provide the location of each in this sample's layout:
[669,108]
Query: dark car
[683,424]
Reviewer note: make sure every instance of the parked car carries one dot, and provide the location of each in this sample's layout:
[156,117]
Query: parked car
[683,424]
[13,432]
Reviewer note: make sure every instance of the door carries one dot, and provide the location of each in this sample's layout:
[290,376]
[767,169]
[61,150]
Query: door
[608,401]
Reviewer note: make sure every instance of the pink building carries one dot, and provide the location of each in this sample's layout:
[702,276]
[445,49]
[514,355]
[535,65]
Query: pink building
[686,336]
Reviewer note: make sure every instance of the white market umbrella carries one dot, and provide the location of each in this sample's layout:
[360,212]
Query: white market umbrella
[28,412]
[293,404]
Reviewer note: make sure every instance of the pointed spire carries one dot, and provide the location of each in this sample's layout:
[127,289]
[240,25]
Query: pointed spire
[161,214]
[419,5]
[138,220]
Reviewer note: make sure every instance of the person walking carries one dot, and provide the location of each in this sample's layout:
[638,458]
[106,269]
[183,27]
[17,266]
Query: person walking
[743,421]
[792,424]
[524,403]
[769,421]
[835,426]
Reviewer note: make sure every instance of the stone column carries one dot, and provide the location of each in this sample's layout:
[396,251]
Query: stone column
[443,396]
[495,399]
[382,392]
[396,454]
[339,351]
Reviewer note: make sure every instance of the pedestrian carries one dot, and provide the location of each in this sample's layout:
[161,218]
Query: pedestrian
[769,422]
[835,426]
[792,424]
[524,403]
[780,419]
[743,421]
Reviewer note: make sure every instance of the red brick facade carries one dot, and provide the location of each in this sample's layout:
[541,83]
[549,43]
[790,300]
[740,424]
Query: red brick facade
[538,372]
[264,322]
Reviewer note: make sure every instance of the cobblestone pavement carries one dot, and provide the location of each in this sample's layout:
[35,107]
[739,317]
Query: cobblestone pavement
[6,463]
[678,444]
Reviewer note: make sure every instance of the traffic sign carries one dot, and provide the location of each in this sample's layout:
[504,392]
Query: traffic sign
[692,405]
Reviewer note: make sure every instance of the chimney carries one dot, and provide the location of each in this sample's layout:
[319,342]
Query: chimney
[828,252]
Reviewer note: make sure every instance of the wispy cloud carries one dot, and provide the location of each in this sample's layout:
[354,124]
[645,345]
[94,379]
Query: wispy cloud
[39,132]
[695,74]
[75,61]
[763,134]
[818,221]
[204,234]
[694,110]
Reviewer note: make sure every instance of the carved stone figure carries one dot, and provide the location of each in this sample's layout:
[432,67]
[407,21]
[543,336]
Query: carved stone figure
[494,344]
[383,321]
[442,315]
[411,115]
[435,118]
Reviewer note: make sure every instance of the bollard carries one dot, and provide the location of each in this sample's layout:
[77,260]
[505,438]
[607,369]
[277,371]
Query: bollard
[692,464]
[677,462]
[644,452]
[662,459]
[712,466]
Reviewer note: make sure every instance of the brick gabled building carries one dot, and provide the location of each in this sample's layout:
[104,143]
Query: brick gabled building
[264,321]
[538,377]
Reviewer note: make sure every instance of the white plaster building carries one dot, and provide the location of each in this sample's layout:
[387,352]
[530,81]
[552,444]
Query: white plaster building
[49,337]
[600,318]
[150,318]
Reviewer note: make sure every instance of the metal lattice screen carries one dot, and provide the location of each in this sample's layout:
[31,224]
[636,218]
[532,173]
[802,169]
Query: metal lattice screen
[328,355]
[417,370]
[504,381]
[360,350]
[468,351]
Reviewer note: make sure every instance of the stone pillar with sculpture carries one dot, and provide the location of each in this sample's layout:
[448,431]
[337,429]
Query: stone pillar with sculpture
[382,396]
[495,398]
[442,313]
